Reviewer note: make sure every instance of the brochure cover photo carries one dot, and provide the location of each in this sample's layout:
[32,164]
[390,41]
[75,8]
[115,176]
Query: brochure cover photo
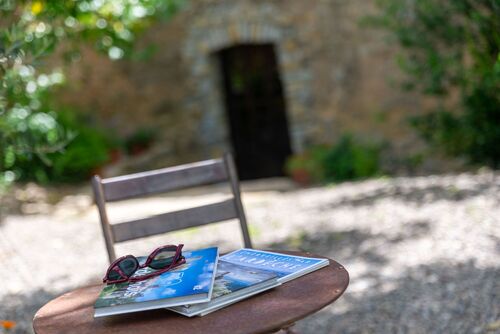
[191,282]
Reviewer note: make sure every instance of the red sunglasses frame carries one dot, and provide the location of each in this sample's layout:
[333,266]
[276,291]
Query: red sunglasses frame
[178,259]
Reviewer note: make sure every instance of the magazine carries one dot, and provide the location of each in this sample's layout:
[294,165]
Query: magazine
[286,267]
[233,283]
[189,283]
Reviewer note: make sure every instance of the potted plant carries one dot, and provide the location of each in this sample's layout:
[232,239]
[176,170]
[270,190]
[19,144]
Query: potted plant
[140,141]
[307,167]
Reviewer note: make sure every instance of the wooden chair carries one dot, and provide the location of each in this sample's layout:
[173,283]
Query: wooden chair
[164,180]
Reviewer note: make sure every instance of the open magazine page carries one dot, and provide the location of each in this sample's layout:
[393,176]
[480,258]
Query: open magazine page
[285,266]
[233,282]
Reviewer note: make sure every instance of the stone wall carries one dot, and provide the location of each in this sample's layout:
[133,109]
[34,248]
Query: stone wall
[337,77]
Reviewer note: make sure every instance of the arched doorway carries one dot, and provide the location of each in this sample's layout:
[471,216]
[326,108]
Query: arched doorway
[256,109]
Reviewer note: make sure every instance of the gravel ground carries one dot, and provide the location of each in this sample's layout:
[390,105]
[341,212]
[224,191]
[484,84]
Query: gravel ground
[422,252]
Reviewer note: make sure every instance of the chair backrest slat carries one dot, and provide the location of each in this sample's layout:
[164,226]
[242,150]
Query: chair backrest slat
[174,221]
[163,180]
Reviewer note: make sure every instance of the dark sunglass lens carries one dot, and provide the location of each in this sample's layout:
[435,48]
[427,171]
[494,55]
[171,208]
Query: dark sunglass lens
[128,266]
[163,259]
[113,275]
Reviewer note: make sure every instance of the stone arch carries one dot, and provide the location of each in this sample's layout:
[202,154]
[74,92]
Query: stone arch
[209,35]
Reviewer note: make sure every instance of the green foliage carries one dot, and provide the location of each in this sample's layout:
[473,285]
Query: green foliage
[452,47]
[87,151]
[348,159]
[31,132]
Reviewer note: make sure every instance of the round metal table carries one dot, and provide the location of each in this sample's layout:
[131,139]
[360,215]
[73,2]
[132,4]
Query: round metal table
[267,312]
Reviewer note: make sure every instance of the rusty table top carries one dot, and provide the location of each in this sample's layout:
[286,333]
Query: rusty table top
[269,311]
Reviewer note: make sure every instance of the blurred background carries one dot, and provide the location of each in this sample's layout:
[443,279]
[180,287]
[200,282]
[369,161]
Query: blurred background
[379,120]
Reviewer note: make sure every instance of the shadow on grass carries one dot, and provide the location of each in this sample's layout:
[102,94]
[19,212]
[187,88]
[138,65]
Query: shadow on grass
[22,307]
[351,243]
[418,195]
[438,297]
[432,298]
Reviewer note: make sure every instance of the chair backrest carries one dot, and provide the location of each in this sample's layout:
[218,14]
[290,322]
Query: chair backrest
[164,180]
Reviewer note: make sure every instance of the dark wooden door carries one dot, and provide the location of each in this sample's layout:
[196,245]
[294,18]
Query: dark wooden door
[256,110]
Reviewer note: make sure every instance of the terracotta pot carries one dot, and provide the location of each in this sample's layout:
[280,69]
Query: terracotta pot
[114,155]
[138,149]
[301,176]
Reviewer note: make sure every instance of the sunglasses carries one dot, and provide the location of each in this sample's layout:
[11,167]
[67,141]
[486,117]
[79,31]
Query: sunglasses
[161,259]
